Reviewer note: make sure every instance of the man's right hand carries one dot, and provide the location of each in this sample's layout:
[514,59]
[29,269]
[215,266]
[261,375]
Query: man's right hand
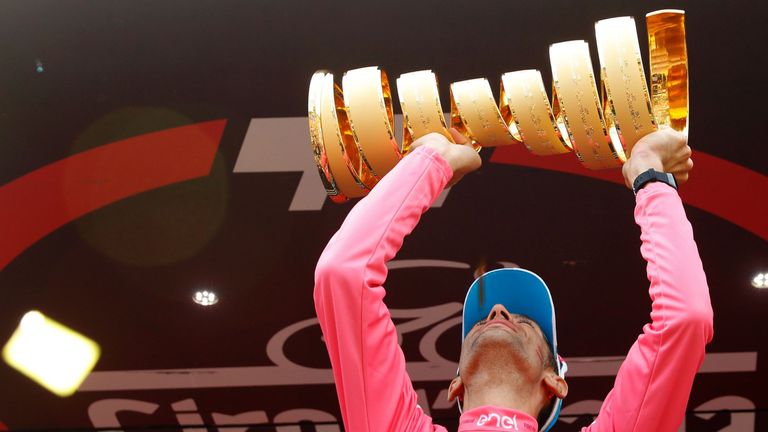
[461,156]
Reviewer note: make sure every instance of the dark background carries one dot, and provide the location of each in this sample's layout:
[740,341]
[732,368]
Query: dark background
[75,75]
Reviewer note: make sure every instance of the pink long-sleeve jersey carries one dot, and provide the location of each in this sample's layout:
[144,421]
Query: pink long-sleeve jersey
[375,393]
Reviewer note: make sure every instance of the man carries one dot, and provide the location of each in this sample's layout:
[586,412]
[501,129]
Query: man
[510,375]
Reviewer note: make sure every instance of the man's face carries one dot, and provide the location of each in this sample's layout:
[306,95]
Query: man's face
[503,340]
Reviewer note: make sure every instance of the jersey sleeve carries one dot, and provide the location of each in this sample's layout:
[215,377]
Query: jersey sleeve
[374,390]
[654,382]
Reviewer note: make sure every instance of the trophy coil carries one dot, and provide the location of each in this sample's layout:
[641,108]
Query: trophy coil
[351,127]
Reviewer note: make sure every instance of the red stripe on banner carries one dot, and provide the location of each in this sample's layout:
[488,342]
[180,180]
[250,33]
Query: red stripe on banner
[43,200]
[725,189]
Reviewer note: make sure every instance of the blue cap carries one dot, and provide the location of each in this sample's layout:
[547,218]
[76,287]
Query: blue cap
[520,292]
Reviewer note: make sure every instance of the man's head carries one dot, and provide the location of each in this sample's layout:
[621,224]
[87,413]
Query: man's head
[509,349]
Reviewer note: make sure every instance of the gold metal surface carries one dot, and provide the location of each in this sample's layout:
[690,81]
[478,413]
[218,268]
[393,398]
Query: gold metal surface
[348,185]
[316,136]
[474,113]
[525,107]
[420,102]
[352,134]
[316,133]
[669,68]
[368,99]
[627,103]
[579,104]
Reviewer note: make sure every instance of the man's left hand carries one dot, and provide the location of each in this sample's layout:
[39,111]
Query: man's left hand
[665,150]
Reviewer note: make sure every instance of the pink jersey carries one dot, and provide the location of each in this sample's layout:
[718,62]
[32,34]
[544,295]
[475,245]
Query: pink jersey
[375,393]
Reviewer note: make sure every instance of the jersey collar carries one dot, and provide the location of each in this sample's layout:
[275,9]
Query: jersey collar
[491,418]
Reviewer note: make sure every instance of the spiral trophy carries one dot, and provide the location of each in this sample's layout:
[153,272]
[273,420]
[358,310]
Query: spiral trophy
[352,126]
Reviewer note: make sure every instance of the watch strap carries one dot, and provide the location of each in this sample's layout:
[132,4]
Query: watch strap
[653,176]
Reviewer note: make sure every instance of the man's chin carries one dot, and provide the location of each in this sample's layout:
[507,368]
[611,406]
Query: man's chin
[498,335]
[498,344]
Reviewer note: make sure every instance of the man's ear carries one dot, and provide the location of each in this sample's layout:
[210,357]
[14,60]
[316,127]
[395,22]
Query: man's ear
[555,384]
[456,390]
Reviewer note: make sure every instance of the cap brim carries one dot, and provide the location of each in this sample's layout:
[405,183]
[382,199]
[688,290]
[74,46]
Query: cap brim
[520,292]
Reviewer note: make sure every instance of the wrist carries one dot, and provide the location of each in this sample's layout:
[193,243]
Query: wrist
[651,176]
[437,156]
[444,152]
[641,162]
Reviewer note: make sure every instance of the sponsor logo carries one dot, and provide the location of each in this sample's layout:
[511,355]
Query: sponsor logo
[497,420]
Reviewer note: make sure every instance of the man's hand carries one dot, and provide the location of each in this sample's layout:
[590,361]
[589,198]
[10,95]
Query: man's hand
[462,158]
[665,150]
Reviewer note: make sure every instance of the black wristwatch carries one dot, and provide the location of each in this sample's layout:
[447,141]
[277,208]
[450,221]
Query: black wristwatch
[653,176]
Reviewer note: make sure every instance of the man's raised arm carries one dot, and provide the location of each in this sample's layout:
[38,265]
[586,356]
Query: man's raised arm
[374,390]
[654,382]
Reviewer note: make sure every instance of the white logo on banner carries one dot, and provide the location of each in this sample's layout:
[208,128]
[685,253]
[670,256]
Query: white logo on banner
[282,145]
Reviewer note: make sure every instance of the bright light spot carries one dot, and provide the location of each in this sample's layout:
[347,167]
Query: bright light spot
[760,280]
[32,320]
[205,298]
[53,355]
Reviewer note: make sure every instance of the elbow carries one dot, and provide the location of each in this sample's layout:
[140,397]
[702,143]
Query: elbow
[324,275]
[696,323]
[332,274]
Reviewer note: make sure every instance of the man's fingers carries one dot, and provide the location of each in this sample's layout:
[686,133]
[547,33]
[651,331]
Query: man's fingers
[432,137]
[682,171]
[458,138]
[682,166]
[681,177]
[687,152]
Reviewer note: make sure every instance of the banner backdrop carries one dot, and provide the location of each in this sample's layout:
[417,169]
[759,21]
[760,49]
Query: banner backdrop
[152,149]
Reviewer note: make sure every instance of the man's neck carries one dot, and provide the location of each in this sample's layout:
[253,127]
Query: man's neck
[503,397]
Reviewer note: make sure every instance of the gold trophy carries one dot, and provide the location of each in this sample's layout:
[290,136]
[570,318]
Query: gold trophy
[352,127]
